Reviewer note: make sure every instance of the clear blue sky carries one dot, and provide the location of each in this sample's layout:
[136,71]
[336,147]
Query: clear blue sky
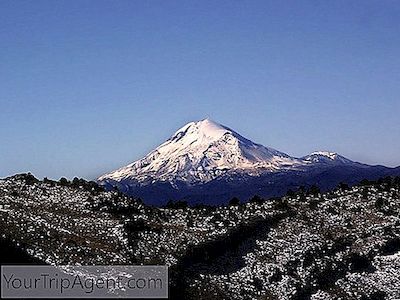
[88,86]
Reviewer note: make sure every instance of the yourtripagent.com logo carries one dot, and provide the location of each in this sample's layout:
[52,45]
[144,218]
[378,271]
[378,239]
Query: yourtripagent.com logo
[84,282]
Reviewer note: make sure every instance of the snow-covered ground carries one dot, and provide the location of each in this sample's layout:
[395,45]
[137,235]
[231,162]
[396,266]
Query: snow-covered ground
[55,224]
[339,245]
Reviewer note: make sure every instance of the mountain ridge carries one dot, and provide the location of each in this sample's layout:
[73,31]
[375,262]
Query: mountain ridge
[207,154]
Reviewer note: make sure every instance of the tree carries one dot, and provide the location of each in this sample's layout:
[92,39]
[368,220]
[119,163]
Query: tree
[176,204]
[302,197]
[234,201]
[343,186]
[76,182]
[49,181]
[290,193]
[314,190]
[256,199]
[365,182]
[64,181]
[301,190]
[364,193]
[396,181]
[30,179]
[281,204]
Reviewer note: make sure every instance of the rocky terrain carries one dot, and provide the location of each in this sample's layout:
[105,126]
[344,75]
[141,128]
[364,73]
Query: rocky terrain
[58,225]
[343,244]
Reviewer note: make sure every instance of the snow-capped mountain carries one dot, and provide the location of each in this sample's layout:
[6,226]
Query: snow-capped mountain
[200,152]
[204,159]
[326,157]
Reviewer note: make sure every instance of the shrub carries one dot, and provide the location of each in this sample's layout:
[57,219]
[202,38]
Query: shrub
[359,263]
[379,203]
[391,247]
[379,295]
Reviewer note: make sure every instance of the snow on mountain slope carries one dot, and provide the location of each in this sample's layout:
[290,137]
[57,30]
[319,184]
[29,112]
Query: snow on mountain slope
[201,151]
[205,162]
[327,157]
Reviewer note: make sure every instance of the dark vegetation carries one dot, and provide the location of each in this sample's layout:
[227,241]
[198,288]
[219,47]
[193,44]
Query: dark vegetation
[212,257]
[220,256]
[224,254]
[15,254]
[90,186]
[180,204]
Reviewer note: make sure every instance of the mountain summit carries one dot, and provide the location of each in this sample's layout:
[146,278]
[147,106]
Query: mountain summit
[200,152]
[205,159]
